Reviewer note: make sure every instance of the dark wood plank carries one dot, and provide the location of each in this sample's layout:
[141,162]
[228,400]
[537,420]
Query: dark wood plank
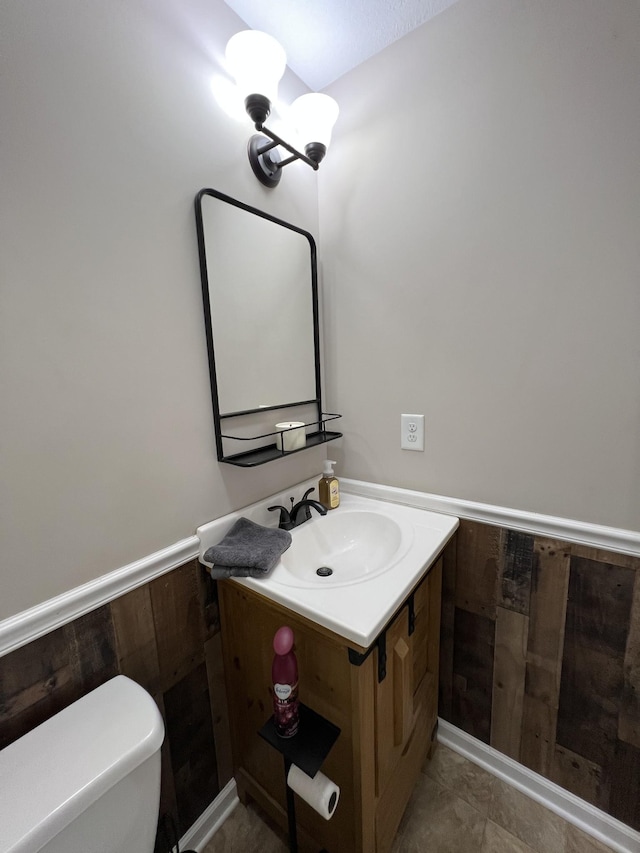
[447,627]
[43,677]
[515,571]
[36,681]
[629,717]
[600,596]
[589,695]
[479,547]
[219,708]
[92,643]
[547,614]
[624,803]
[580,776]
[136,638]
[179,629]
[599,555]
[597,625]
[208,593]
[190,736]
[168,803]
[473,674]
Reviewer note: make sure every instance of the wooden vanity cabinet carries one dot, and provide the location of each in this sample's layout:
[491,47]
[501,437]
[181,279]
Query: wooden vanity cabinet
[387,724]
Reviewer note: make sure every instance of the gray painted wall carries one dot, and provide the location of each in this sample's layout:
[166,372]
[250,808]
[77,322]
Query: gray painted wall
[480,214]
[480,209]
[109,128]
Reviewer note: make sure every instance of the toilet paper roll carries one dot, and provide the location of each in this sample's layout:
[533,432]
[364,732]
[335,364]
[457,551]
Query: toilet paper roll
[320,792]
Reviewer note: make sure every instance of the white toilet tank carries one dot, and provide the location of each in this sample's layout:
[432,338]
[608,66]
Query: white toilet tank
[88,779]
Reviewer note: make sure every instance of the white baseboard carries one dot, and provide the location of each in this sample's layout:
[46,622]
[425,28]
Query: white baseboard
[600,825]
[588,818]
[211,819]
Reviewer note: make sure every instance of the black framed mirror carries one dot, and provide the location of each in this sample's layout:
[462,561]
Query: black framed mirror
[260,299]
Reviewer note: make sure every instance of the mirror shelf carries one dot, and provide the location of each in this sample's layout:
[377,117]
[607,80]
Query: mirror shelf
[271,452]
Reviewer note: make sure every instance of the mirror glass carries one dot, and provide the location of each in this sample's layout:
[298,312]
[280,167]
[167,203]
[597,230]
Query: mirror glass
[259,275]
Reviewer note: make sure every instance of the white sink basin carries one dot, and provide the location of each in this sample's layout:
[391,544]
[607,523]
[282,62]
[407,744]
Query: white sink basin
[342,548]
[378,551]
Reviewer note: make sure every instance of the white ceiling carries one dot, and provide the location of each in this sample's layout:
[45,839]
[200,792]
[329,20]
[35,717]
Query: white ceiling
[323,39]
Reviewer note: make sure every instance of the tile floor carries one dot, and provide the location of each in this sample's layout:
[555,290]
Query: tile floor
[457,807]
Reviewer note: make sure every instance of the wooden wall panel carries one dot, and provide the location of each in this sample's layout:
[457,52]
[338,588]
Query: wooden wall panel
[447,628]
[515,571]
[569,615]
[38,680]
[547,608]
[168,801]
[625,785]
[136,638]
[156,635]
[597,625]
[545,643]
[177,615]
[92,649]
[537,741]
[512,629]
[629,717]
[587,716]
[479,549]
[473,673]
[219,708]
[581,776]
[190,736]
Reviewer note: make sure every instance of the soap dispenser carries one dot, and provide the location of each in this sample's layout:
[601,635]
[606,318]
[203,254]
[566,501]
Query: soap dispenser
[328,486]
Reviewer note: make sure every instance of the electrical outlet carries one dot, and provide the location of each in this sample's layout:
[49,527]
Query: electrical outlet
[412,432]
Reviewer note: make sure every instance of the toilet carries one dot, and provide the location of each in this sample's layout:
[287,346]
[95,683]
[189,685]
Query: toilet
[88,779]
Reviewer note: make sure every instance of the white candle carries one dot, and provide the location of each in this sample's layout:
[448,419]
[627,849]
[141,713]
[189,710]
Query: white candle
[293,436]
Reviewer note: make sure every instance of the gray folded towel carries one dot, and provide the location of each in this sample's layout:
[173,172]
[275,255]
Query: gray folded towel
[249,550]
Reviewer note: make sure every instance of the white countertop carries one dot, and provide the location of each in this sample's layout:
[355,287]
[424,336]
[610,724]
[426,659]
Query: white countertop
[359,610]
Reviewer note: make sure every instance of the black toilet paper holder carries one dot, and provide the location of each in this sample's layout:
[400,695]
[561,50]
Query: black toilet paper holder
[307,750]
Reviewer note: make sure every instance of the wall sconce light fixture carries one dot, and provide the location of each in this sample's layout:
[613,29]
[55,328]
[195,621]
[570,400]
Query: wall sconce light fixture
[257,62]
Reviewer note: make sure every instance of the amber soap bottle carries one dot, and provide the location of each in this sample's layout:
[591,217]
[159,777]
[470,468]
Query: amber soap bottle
[329,487]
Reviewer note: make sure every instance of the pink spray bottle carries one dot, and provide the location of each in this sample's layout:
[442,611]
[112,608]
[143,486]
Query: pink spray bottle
[284,674]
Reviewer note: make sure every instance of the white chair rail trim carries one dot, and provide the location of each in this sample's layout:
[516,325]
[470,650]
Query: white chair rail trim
[24,627]
[27,626]
[566,529]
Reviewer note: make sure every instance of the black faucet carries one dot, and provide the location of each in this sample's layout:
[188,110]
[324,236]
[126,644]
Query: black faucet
[307,506]
[289,518]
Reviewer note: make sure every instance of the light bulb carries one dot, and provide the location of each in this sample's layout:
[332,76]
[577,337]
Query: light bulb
[257,61]
[314,116]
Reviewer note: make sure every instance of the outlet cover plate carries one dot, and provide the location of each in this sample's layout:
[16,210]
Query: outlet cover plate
[412,432]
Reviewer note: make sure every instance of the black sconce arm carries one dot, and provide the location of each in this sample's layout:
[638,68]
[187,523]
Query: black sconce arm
[277,140]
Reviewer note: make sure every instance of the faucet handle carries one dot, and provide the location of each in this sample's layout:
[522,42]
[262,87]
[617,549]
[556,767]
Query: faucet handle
[285,519]
[307,510]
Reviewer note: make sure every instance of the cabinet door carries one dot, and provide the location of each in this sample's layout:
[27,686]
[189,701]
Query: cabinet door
[406,706]
[394,700]
[426,646]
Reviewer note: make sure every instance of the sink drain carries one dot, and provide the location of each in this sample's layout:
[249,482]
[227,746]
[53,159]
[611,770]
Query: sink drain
[324,571]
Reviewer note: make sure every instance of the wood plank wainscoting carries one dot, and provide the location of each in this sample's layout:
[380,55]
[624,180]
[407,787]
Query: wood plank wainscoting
[540,658]
[166,636]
